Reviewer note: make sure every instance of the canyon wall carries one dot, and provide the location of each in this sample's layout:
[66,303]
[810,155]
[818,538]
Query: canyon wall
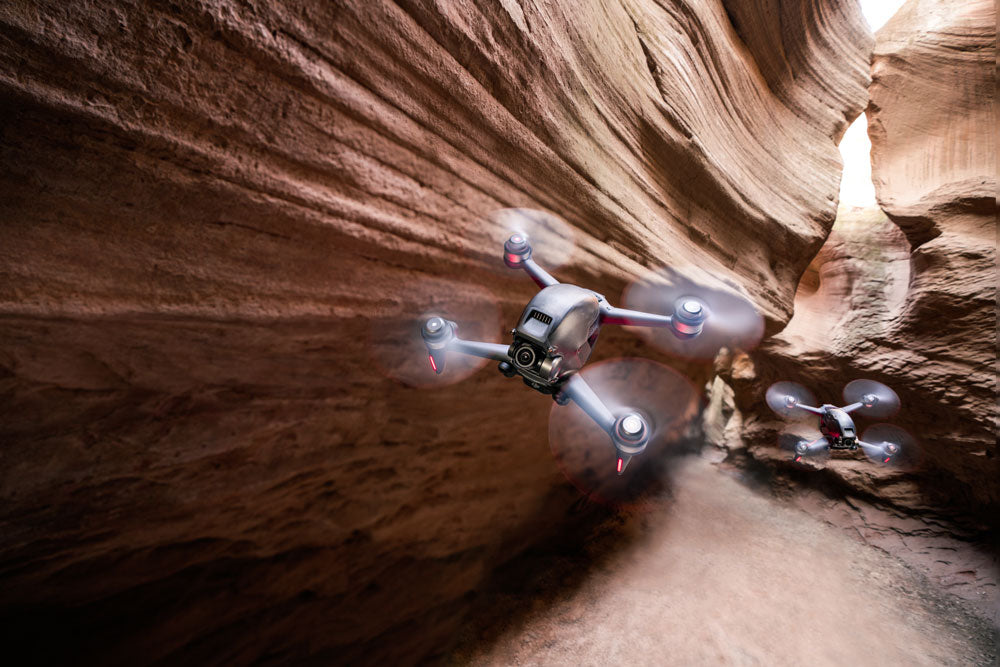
[933,131]
[906,297]
[220,222]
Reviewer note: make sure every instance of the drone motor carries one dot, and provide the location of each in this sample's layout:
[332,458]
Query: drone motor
[437,334]
[874,399]
[516,250]
[689,317]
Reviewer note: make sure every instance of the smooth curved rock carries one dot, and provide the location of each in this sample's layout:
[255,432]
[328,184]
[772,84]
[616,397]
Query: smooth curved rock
[912,303]
[932,117]
[218,214]
[933,130]
[787,38]
[908,300]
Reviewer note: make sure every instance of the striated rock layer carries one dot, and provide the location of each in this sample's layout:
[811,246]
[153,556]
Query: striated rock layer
[219,221]
[934,168]
[907,298]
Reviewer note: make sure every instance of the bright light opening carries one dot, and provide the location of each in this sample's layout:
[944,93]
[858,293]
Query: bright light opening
[856,189]
[878,12]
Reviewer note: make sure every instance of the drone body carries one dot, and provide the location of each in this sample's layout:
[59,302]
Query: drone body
[554,339]
[555,336]
[837,428]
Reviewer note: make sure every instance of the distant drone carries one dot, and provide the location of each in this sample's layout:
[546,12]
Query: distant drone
[555,337]
[882,443]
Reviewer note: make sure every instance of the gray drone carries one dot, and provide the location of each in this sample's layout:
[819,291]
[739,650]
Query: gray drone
[882,443]
[558,329]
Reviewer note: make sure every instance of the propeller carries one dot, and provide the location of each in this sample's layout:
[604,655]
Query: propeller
[889,445]
[782,397]
[807,446]
[879,400]
[665,401]
[552,240]
[397,348]
[706,319]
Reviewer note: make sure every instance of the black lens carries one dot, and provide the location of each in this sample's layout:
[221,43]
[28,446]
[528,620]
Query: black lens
[524,357]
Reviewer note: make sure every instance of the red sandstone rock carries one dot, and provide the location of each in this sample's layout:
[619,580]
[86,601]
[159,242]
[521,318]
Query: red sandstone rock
[216,214]
[908,299]
[933,133]
[912,303]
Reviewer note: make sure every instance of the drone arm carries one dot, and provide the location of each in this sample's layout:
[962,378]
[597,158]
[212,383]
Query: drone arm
[475,348]
[440,338]
[686,321]
[818,443]
[517,255]
[852,407]
[541,277]
[876,451]
[629,432]
[868,447]
[634,318]
[809,408]
[577,389]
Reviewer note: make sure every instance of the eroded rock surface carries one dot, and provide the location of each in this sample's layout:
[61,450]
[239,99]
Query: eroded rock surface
[216,214]
[907,298]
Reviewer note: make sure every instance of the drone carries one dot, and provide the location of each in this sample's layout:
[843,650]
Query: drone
[556,335]
[882,443]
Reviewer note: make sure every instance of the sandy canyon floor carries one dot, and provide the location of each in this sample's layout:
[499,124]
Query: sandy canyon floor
[720,573]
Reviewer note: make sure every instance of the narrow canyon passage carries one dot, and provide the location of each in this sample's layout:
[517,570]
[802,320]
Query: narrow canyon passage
[224,224]
[723,574]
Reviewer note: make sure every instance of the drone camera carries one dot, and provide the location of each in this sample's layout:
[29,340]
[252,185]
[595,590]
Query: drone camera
[538,368]
[525,356]
[689,317]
